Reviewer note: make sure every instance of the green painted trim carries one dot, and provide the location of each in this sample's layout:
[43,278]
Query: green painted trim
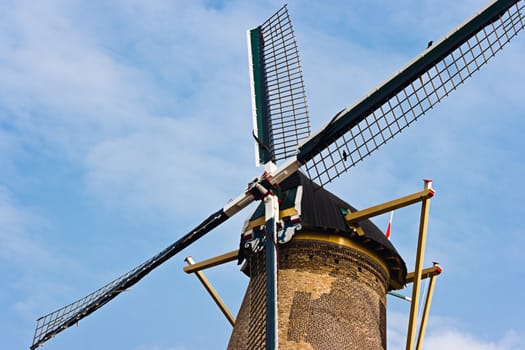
[259,89]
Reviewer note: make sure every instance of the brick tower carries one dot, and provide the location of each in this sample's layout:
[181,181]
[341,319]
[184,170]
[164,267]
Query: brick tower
[332,280]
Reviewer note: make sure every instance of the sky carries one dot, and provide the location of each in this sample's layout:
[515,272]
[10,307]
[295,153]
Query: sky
[123,124]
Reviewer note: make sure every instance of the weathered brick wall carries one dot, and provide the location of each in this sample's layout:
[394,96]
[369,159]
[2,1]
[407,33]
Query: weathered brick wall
[330,296]
[249,331]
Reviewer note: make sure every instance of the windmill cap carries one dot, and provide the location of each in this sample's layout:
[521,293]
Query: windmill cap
[318,210]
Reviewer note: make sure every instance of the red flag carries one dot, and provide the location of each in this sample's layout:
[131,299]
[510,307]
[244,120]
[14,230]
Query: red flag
[387,233]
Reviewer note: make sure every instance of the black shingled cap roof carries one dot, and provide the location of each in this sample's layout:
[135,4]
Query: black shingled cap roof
[321,211]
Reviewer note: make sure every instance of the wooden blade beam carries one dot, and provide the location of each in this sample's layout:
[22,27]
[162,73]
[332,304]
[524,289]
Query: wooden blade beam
[271,203]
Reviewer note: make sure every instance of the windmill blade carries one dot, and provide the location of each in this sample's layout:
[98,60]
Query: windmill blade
[357,131]
[50,325]
[280,115]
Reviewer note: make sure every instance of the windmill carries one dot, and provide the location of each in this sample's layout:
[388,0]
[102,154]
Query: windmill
[349,136]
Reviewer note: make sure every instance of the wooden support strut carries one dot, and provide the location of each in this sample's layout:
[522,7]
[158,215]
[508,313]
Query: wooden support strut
[212,292]
[425,273]
[389,206]
[418,271]
[218,260]
[426,309]
[415,277]
[429,272]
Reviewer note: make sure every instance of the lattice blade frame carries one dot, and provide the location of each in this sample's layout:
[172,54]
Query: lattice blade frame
[279,108]
[359,130]
[55,322]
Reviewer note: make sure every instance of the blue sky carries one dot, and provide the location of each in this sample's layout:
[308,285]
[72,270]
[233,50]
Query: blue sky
[125,123]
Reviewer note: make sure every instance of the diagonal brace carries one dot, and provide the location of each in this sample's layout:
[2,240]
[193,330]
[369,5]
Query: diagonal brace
[212,292]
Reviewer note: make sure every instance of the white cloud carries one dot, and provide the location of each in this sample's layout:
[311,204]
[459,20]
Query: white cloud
[447,333]
[69,94]
[60,88]
[16,223]
[457,340]
[28,264]
[150,170]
